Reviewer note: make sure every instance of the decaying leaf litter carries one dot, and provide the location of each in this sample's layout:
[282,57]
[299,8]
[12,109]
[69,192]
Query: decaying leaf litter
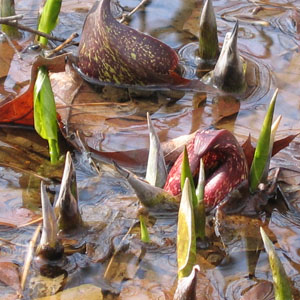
[145,284]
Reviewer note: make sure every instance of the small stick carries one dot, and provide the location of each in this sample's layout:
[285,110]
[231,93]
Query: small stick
[64,44]
[29,256]
[11,18]
[38,220]
[126,16]
[118,250]
[29,29]
[12,166]
[11,243]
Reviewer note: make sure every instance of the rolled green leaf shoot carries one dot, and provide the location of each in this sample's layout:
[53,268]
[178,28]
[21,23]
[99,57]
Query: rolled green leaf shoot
[144,231]
[263,146]
[200,209]
[281,282]
[186,239]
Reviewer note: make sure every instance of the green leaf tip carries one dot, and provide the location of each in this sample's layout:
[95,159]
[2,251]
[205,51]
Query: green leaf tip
[186,239]
[144,231]
[200,208]
[281,282]
[186,173]
[262,150]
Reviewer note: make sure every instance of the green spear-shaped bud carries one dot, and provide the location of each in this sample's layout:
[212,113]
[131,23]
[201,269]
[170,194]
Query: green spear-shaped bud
[156,173]
[282,287]
[150,196]
[144,231]
[200,208]
[208,36]
[262,150]
[186,238]
[229,72]
[66,206]
[49,247]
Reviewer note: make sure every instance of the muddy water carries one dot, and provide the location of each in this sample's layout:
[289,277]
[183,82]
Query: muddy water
[269,41]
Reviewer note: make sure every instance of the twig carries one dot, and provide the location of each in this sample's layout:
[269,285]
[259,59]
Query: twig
[11,44]
[11,243]
[11,18]
[64,44]
[38,220]
[29,256]
[12,166]
[29,29]
[126,16]
[118,249]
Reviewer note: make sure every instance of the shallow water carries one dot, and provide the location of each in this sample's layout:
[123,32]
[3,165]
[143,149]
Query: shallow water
[269,40]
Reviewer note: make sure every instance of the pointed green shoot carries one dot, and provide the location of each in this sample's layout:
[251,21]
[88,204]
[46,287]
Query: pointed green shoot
[156,173]
[263,146]
[45,113]
[49,18]
[186,238]
[272,139]
[186,173]
[208,35]
[144,231]
[281,282]
[200,209]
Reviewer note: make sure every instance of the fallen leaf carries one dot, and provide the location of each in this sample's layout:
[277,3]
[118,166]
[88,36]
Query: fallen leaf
[9,274]
[20,109]
[85,291]
[262,290]
[142,289]
[14,217]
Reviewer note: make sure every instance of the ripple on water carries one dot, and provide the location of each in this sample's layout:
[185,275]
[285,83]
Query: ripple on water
[287,230]
[258,74]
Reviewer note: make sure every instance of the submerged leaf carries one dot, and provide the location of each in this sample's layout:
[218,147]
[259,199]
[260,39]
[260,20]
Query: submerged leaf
[9,274]
[85,291]
[20,109]
[263,147]
[186,239]
[281,281]
[113,52]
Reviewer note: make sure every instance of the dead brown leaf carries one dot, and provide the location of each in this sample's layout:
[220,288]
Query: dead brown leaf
[9,274]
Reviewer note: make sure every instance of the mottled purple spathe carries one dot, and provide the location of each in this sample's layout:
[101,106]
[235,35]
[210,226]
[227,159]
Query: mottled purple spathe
[222,156]
[113,52]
